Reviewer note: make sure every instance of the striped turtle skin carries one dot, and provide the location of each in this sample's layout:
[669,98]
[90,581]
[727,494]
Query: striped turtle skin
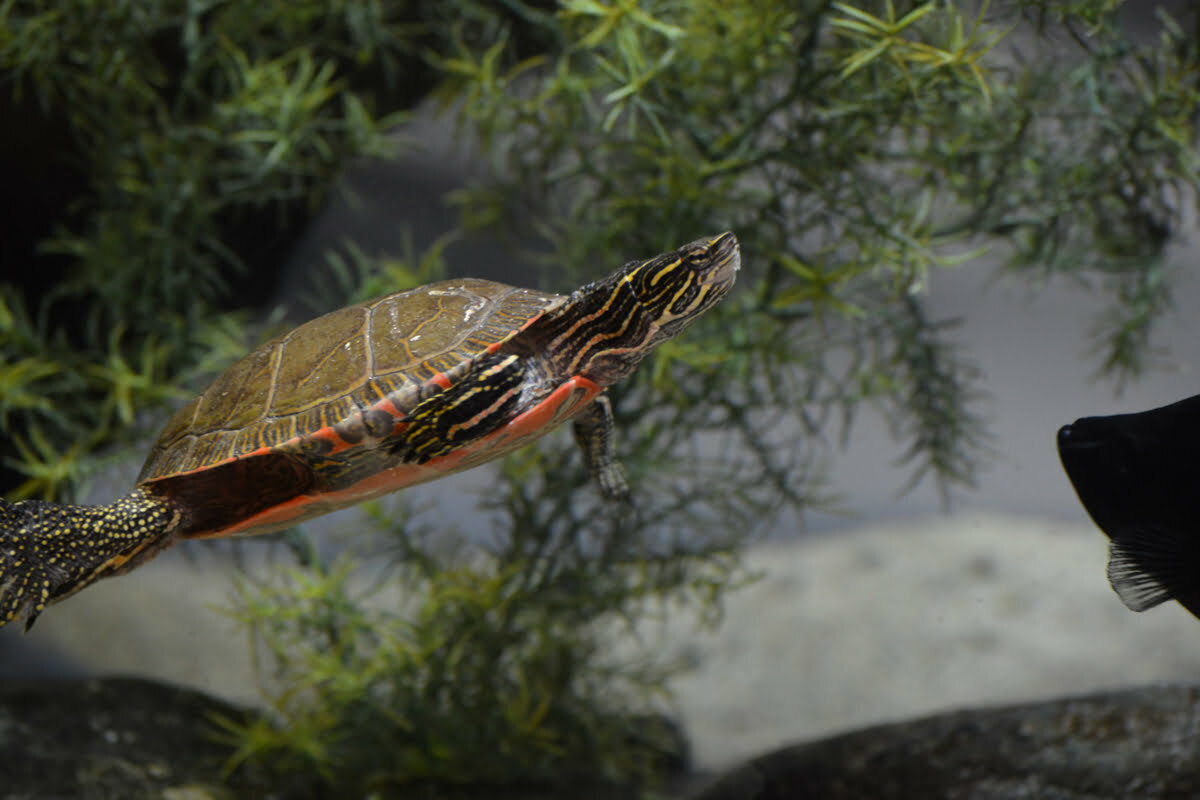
[366,400]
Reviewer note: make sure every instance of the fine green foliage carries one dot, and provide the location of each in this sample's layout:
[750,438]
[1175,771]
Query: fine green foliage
[855,147]
[180,123]
[492,673]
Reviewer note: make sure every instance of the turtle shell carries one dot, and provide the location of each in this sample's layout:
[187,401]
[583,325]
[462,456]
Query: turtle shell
[295,428]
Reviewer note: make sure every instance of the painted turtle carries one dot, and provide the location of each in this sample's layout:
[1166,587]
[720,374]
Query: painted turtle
[364,401]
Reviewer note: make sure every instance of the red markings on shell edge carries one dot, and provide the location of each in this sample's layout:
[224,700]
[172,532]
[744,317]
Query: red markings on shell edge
[325,439]
[563,403]
[494,346]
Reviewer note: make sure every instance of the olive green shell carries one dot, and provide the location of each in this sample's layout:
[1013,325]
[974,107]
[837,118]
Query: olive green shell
[321,373]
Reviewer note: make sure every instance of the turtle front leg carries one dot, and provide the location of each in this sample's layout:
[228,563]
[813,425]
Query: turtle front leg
[49,551]
[593,428]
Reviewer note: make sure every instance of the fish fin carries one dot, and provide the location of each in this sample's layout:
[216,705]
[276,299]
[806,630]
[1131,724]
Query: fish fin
[1151,564]
[1137,589]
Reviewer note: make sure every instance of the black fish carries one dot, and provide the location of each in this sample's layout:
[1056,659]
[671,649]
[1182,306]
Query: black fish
[1138,476]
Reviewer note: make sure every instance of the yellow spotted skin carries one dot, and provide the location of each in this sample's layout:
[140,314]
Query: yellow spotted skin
[49,551]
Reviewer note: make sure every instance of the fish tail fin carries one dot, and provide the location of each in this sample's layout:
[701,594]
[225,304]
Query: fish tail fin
[50,551]
[1150,564]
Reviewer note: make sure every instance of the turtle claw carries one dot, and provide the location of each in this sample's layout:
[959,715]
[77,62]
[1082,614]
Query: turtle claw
[17,573]
[613,484]
[14,608]
[594,434]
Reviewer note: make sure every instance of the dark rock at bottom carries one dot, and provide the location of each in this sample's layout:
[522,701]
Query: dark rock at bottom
[135,739]
[127,738]
[1137,743]
[119,738]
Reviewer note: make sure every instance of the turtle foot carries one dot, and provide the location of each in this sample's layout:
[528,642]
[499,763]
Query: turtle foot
[20,575]
[50,551]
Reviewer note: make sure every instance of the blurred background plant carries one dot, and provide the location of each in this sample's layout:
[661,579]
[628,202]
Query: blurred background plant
[168,155]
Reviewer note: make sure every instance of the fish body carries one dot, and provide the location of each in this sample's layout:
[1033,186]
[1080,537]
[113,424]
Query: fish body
[1138,476]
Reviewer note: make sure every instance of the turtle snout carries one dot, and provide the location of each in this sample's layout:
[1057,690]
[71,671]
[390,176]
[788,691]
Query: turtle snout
[725,256]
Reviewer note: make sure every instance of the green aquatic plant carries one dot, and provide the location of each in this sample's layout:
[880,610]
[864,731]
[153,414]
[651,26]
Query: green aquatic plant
[857,148]
[157,143]
[476,670]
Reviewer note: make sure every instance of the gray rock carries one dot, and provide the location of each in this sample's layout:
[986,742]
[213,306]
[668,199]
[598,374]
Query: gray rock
[118,739]
[129,739]
[126,738]
[1136,743]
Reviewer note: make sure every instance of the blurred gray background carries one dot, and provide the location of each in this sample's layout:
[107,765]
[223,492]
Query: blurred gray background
[899,606]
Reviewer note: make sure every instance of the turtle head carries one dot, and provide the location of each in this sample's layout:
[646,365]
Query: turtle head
[676,287]
[609,326]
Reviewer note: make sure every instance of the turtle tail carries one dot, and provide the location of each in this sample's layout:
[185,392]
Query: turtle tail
[50,551]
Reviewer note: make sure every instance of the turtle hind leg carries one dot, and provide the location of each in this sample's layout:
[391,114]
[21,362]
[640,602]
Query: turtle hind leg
[49,551]
[20,583]
[473,406]
[593,429]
